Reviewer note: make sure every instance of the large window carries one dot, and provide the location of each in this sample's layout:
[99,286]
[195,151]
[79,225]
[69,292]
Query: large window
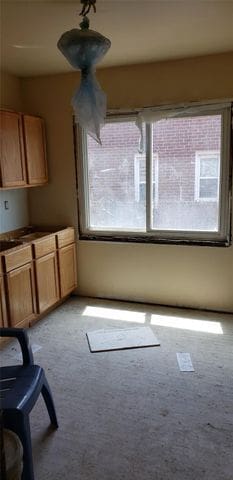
[177,190]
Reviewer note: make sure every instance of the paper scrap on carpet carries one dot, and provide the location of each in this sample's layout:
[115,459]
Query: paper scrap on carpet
[184,362]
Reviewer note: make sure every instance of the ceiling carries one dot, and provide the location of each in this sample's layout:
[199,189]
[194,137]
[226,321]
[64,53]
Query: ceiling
[140,31]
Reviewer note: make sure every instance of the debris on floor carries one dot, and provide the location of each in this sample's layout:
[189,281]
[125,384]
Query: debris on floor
[184,362]
[121,339]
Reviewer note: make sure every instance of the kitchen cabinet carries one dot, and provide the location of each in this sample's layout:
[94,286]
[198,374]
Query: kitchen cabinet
[46,281]
[20,286]
[3,315]
[12,159]
[39,271]
[46,271]
[67,269]
[21,295]
[23,154]
[34,142]
[67,262]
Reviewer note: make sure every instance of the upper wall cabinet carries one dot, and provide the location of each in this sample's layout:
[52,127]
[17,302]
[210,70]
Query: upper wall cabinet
[23,154]
[34,141]
[12,157]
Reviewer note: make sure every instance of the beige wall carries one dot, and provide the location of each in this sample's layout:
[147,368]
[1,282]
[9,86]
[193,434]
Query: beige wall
[199,277]
[17,214]
[11,95]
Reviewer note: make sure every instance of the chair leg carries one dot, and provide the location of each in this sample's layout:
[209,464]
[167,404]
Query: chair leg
[25,438]
[47,396]
[19,423]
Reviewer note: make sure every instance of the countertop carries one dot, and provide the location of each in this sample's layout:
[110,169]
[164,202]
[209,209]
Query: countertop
[17,239]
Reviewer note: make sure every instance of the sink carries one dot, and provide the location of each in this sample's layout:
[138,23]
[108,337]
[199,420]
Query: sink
[29,237]
[7,244]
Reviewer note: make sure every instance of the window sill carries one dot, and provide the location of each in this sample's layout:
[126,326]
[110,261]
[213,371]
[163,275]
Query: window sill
[155,241]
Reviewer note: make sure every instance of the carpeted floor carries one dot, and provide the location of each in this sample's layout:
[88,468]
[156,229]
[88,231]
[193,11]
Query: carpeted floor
[131,414]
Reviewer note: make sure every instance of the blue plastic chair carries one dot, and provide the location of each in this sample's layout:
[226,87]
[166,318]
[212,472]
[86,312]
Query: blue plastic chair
[20,387]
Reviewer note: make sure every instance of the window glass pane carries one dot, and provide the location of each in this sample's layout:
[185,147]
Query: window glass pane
[208,188]
[209,167]
[114,179]
[176,142]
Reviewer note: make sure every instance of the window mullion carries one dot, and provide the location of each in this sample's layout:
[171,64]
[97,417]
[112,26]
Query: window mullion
[84,190]
[149,186]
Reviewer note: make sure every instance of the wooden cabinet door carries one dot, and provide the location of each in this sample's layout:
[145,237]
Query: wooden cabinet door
[67,269]
[34,140]
[3,317]
[47,281]
[21,295]
[12,160]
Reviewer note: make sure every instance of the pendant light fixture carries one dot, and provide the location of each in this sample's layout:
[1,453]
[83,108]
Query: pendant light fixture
[84,48]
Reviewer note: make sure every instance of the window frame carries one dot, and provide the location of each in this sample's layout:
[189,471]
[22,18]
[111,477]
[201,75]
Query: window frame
[188,237]
[137,182]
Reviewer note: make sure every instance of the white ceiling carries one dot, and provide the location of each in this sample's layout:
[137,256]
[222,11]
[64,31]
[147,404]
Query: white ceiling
[140,31]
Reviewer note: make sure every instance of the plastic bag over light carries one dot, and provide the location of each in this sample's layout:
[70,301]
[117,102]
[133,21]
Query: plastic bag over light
[84,49]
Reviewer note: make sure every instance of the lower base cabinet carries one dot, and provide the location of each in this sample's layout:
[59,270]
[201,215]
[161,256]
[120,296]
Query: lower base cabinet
[46,281]
[67,269]
[21,295]
[3,315]
[36,277]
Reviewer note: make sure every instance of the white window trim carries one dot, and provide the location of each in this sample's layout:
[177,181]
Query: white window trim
[199,155]
[221,237]
[137,182]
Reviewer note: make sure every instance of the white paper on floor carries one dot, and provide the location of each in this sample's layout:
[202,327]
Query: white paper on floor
[121,339]
[184,362]
[16,351]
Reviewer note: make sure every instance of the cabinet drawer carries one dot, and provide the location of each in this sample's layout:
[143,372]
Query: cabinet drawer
[17,258]
[44,246]
[65,237]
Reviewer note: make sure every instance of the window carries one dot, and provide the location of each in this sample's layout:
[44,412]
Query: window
[207,176]
[177,191]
